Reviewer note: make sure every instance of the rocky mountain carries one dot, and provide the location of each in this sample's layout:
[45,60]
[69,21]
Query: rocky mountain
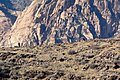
[9,11]
[64,21]
[12,8]
[7,18]
[18,5]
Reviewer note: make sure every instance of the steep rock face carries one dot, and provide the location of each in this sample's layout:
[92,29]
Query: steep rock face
[19,31]
[20,4]
[4,24]
[64,21]
[5,20]
[9,11]
[16,4]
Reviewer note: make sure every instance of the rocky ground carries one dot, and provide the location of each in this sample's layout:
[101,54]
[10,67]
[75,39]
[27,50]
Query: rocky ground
[85,60]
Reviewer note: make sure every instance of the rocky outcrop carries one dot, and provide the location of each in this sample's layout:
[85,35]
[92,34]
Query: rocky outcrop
[4,24]
[7,19]
[9,11]
[64,21]
[17,5]
[20,4]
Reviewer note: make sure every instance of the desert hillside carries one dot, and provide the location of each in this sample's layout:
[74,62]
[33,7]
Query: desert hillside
[91,60]
[59,39]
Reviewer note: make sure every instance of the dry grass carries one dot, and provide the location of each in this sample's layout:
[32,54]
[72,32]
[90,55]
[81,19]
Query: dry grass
[90,60]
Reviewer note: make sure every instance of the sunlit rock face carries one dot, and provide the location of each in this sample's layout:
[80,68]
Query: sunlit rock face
[9,11]
[64,21]
[4,24]
[6,20]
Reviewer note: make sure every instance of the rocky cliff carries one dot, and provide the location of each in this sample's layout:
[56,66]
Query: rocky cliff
[9,11]
[7,18]
[64,21]
[17,5]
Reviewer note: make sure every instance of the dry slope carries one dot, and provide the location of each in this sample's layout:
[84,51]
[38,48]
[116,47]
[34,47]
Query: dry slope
[91,60]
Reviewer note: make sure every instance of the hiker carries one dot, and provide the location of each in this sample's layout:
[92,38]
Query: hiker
[18,44]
